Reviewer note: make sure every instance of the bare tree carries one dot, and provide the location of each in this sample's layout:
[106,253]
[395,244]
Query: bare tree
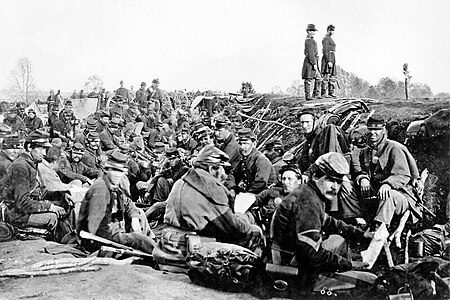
[296,88]
[94,84]
[22,83]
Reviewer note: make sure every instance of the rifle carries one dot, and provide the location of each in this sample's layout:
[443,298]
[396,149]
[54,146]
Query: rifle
[126,252]
[89,236]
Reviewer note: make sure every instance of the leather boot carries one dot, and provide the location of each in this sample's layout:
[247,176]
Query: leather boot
[331,88]
[317,85]
[308,83]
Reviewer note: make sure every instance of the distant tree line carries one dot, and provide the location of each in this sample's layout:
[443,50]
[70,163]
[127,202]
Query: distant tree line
[350,85]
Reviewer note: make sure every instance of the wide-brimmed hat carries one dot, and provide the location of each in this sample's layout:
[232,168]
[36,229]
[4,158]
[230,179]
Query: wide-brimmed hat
[311,27]
[117,161]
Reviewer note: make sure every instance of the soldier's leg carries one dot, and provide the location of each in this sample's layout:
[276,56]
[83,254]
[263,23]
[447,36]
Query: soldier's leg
[332,86]
[397,204]
[317,86]
[134,240]
[308,84]
[47,221]
[325,82]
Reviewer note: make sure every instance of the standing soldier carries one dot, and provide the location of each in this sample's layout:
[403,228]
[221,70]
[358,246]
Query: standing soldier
[310,69]
[328,64]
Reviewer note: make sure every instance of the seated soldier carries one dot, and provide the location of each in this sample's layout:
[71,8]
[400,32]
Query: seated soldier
[11,148]
[26,200]
[274,151]
[161,184]
[268,200]
[254,172]
[388,175]
[93,157]
[186,142]
[301,219]
[32,122]
[75,169]
[107,212]
[199,202]
[108,140]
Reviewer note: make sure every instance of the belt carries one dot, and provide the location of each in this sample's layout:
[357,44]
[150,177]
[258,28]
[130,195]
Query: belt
[332,51]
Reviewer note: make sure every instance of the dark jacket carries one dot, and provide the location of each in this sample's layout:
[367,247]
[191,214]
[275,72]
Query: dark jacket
[70,171]
[141,97]
[16,124]
[231,147]
[253,174]
[107,140]
[328,49]
[92,159]
[311,59]
[198,202]
[33,123]
[20,184]
[96,211]
[5,162]
[297,227]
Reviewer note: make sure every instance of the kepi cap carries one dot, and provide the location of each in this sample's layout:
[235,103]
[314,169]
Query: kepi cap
[211,155]
[334,165]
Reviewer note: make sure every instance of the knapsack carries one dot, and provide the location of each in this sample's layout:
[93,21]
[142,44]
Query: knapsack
[222,266]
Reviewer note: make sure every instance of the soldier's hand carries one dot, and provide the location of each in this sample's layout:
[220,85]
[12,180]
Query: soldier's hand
[385,192]
[58,210]
[314,67]
[330,64]
[359,265]
[365,187]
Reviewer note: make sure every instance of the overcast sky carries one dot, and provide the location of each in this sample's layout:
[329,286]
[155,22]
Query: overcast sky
[207,44]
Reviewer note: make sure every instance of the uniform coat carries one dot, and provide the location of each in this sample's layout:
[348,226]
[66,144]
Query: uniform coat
[253,174]
[198,202]
[297,227]
[311,59]
[328,49]
[231,147]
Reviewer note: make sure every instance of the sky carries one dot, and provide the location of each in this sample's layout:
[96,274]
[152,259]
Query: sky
[209,44]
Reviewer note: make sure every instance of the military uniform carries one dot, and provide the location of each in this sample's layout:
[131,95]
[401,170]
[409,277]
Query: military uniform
[329,72]
[311,60]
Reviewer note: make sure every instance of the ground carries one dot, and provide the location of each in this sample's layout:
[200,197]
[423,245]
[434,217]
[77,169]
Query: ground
[111,282]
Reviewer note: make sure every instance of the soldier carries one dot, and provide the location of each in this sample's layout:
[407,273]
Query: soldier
[329,64]
[310,70]
[93,157]
[300,220]
[103,120]
[53,116]
[108,140]
[141,95]
[106,210]
[32,122]
[15,122]
[23,195]
[389,173]
[226,140]
[91,126]
[254,172]
[274,151]
[51,101]
[154,96]
[199,202]
[11,148]
[75,169]
[156,135]
[186,142]
[123,93]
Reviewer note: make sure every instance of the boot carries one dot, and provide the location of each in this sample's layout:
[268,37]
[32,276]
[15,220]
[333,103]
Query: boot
[308,90]
[317,85]
[325,83]
[331,89]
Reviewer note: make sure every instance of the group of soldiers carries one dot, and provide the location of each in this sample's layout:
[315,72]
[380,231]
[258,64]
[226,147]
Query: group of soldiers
[322,81]
[130,167]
